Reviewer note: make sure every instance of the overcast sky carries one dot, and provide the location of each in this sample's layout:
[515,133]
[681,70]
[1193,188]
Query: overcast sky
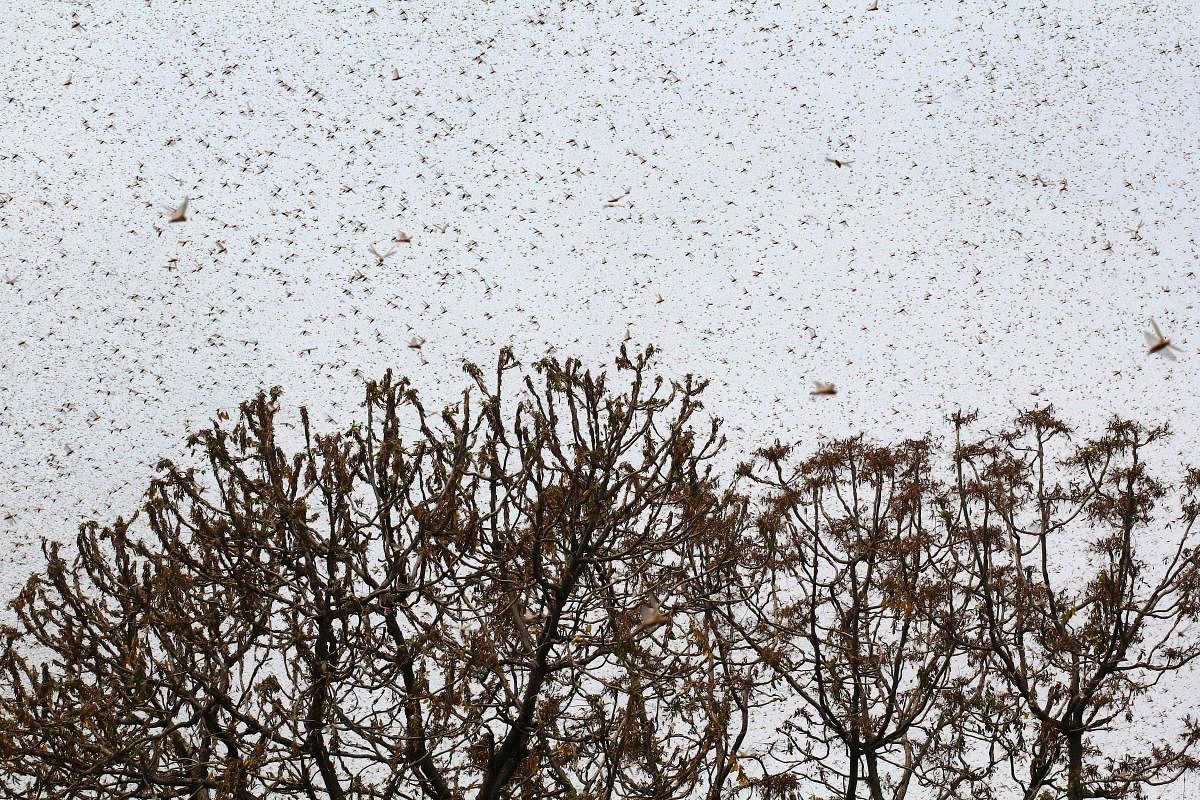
[1019,199]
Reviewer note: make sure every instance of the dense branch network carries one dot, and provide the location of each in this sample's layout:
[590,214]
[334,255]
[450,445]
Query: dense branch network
[551,589]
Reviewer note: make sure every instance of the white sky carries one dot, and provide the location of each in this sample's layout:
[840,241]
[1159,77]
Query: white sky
[980,247]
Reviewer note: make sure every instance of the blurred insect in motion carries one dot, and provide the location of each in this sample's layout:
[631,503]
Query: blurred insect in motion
[820,388]
[380,256]
[1159,343]
[613,200]
[179,214]
[652,616]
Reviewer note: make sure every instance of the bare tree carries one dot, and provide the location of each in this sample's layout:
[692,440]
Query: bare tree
[854,602]
[548,590]
[1087,593]
[519,597]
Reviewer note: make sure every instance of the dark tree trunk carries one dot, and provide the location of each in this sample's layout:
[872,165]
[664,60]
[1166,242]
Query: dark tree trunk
[852,780]
[873,781]
[1075,788]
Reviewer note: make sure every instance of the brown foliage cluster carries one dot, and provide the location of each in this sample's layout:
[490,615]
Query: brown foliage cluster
[551,589]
